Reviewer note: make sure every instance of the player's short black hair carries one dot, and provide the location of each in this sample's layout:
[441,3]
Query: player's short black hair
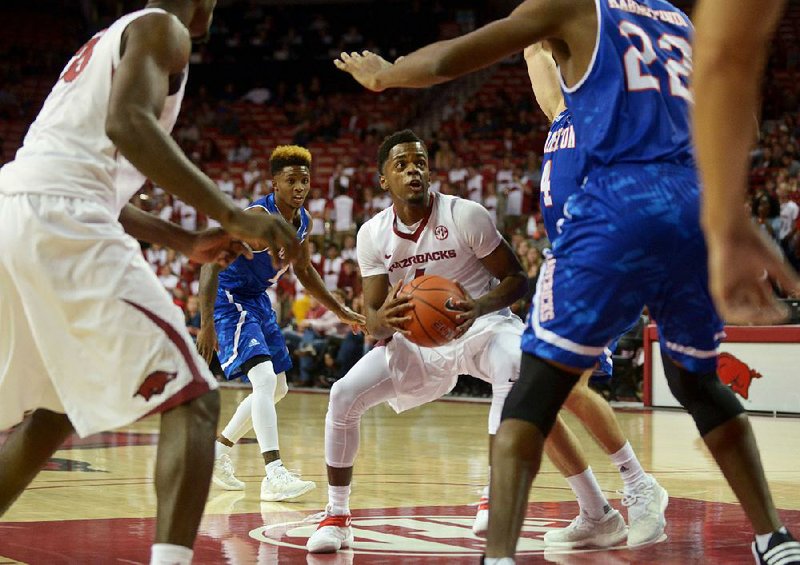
[288,156]
[398,137]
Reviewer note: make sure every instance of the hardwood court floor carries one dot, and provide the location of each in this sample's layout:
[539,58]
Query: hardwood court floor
[416,477]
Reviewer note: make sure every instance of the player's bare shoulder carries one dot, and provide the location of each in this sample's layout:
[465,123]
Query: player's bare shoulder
[162,36]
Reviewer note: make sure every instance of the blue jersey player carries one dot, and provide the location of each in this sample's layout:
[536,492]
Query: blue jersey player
[247,335]
[633,237]
[563,174]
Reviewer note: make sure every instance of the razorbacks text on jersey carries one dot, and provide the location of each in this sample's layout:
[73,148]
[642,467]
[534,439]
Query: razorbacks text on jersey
[644,117]
[251,277]
[563,166]
[66,150]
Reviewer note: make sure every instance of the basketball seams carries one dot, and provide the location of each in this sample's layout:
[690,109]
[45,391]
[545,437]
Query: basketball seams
[448,313]
[433,339]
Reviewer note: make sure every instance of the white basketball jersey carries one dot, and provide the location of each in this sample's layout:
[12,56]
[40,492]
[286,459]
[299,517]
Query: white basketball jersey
[449,242]
[66,150]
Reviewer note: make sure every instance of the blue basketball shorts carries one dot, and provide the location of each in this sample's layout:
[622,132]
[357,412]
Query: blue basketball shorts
[631,239]
[247,327]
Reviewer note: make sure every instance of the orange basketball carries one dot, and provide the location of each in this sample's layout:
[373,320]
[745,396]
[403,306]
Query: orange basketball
[432,322]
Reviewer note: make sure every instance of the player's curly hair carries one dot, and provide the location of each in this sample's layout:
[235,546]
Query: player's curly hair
[288,156]
[398,137]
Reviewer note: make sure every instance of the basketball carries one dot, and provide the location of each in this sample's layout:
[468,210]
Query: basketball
[432,322]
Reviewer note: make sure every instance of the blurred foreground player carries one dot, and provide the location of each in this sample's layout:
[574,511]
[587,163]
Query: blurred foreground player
[731,49]
[624,69]
[732,45]
[90,339]
[234,306]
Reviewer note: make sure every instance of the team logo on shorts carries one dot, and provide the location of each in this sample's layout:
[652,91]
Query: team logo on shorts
[154,384]
[736,374]
[441,232]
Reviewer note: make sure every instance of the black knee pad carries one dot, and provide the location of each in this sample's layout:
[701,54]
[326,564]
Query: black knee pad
[710,402]
[538,394]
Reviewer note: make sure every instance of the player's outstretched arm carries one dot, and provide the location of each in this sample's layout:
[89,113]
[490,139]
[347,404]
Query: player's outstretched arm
[545,82]
[207,342]
[208,246]
[313,283]
[442,61]
[731,48]
[157,47]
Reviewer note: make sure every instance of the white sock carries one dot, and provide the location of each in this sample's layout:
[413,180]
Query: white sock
[240,423]
[221,449]
[498,560]
[265,419]
[272,466]
[762,540]
[628,465]
[591,499]
[339,500]
[169,554]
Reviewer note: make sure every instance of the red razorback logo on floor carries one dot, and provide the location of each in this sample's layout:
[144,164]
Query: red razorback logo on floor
[736,374]
[154,384]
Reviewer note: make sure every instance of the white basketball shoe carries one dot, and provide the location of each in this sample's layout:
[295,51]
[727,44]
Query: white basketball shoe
[646,501]
[283,484]
[332,534]
[223,475]
[608,531]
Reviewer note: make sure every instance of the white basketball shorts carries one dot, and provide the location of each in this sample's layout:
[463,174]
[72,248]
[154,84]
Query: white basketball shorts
[86,328]
[490,351]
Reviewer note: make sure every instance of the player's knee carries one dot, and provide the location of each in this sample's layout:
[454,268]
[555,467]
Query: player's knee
[580,397]
[281,388]
[539,393]
[263,377]
[341,401]
[709,402]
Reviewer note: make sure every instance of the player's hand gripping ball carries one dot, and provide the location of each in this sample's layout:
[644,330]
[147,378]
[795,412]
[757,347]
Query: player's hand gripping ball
[433,322]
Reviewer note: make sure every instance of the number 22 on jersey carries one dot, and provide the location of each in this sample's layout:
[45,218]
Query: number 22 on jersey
[637,60]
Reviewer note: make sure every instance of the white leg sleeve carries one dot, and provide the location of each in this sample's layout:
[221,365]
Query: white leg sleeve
[240,423]
[265,420]
[366,385]
[500,360]
[499,393]
[282,388]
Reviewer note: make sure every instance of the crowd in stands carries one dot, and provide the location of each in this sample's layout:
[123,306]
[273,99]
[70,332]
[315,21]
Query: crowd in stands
[486,147]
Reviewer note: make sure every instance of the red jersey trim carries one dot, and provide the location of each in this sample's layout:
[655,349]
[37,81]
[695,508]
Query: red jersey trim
[417,232]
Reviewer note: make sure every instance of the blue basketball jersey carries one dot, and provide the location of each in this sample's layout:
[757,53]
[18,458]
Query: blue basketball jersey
[251,277]
[632,105]
[563,170]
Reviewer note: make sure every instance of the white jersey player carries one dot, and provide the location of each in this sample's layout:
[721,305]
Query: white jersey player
[91,340]
[428,233]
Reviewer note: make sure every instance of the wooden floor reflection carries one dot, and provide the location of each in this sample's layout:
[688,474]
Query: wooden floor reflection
[416,477]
